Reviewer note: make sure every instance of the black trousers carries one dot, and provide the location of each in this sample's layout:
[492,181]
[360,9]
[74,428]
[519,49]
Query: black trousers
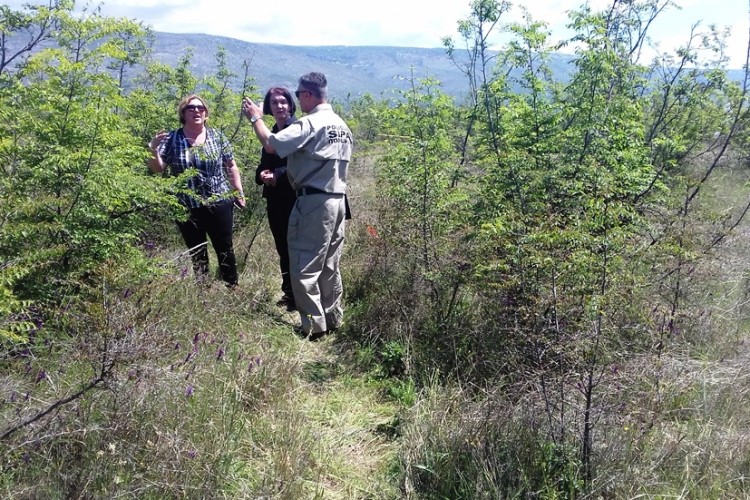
[215,222]
[278,211]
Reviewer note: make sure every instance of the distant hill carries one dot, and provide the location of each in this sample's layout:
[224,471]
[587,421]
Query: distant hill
[351,71]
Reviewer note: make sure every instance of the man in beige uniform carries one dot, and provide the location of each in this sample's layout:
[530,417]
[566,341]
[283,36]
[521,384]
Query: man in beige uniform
[318,148]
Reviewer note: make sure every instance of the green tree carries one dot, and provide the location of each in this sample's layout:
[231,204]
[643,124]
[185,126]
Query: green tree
[420,225]
[74,192]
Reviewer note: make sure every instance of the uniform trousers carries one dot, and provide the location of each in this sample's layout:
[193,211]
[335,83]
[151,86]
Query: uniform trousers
[316,238]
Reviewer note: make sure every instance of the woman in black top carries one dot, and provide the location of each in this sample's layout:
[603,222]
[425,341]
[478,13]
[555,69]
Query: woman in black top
[277,191]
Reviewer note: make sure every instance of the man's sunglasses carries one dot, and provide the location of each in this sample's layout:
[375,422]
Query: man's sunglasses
[298,92]
[195,107]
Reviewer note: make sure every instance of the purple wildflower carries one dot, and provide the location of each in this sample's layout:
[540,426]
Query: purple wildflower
[254,362]
[189,391]
[192,454]
[128,292]
[183,272]
[220,354]
[41,376]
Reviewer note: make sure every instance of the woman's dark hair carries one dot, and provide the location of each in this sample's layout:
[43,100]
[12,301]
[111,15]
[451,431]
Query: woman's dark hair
[283,91]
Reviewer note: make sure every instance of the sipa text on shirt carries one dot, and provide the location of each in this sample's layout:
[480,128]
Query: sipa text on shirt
[338,133]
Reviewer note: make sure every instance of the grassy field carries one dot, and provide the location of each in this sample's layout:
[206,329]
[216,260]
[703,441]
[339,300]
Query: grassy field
[207,393]
[175,390]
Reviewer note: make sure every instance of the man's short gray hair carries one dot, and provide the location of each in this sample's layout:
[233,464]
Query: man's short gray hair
[316,83]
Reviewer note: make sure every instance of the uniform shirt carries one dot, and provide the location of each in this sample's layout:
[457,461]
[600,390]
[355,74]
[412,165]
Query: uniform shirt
[210,182]
[318,148]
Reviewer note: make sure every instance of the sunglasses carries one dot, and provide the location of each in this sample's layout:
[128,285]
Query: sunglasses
[195,107]
[298,92]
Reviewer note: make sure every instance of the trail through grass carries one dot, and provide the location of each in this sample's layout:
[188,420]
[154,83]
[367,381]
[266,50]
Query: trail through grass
[317,432]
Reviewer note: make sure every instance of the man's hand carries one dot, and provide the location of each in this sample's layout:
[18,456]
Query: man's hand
[250,109]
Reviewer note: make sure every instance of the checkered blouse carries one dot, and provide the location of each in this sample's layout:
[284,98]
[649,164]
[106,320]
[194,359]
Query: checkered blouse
[209,182]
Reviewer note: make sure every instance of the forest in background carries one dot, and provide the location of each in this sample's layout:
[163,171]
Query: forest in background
[546,289]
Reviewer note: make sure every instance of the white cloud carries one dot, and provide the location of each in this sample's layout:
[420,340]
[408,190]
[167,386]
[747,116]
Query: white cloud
[672,27]
[413,23]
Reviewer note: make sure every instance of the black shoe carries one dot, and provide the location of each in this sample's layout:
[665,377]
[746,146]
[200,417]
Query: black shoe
[288,303]
[315,336]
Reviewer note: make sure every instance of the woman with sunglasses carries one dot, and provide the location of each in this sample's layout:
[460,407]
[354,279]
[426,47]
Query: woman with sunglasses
[210,199]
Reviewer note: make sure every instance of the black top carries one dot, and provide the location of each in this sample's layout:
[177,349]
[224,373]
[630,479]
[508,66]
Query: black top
[282,191]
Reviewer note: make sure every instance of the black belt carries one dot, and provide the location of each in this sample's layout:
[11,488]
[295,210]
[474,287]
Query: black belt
[311,190]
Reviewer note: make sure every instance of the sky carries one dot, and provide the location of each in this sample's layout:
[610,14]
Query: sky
[406,23]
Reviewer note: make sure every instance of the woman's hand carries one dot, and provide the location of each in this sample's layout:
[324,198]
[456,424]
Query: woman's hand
[267,177]
[155,163]
[239,200]
[157,140]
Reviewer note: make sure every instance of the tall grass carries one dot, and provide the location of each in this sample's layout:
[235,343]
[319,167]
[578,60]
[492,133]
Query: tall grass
[205,392]
[161,388]
[669,422]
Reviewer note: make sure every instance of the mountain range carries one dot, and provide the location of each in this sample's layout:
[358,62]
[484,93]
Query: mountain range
[351,71]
